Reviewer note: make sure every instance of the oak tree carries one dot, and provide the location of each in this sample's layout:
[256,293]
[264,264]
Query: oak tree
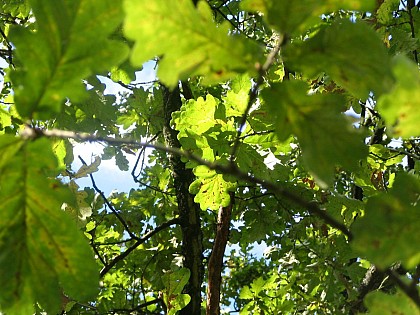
[277,157]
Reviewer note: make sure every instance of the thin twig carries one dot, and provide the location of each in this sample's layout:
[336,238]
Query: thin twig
[110,206]
[253,93]
[141,153]
[407,153]
[96,251]
[9,48]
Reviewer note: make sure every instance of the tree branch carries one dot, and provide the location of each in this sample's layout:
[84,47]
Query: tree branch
[253,93]
[138,307]
[215,265]
[140,241]
[311,206]
[411,4]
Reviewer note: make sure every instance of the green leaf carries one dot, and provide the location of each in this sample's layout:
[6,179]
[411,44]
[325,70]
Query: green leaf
[380,303]
[258,285]
[124,73]
[178,303]
[70,44]
[83,209]
[16,8]
[246,293]
[290,16]
[43,253]
[5,119]
[236,99]
[390,226]
[211,189]
[174,283]
[386,10]
[195,115]
[381,157]
[202,47]
[340,50]
[314,119]
[192,121]
[400,106]
[176,280]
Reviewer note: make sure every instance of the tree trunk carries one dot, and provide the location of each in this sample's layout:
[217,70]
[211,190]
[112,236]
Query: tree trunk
[215,266]
[189,211]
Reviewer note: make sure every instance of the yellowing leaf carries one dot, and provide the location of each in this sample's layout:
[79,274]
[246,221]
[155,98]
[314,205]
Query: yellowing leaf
[380,303]
[187,40]
[42,251]
[340,50]
[400,106]
[390,226]
[70,44]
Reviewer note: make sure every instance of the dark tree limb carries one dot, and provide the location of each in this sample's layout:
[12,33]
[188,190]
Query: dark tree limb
[411,291]
[215,265]
[140,241]
[138,308]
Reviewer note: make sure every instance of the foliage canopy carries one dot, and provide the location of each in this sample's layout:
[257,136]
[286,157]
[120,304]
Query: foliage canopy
[277,157]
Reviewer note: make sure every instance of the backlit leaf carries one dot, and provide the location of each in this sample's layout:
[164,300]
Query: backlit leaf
[85,170]
[70,44]
[43,253]
[380,303]
[197,116]
[246,293]
[326,137]
[340,50]
[400,106]
[236,99]
[289,16]
[211,189]
[201,48]
[390,226]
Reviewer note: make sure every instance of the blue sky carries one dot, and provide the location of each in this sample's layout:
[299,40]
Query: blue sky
[109,177]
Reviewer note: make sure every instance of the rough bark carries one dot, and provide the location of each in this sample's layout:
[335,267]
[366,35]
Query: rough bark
[215,265]
[189,212]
